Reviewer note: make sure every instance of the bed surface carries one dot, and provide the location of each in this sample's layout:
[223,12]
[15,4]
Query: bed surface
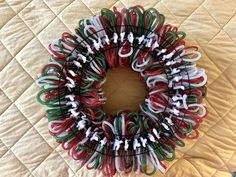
[26,29]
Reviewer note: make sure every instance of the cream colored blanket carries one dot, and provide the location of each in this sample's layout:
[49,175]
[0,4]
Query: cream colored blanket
[26,29]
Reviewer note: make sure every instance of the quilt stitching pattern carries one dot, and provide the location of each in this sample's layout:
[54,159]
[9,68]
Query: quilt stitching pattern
[199,156]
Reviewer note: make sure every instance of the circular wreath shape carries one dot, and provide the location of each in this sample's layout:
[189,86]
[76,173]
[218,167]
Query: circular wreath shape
[71,88]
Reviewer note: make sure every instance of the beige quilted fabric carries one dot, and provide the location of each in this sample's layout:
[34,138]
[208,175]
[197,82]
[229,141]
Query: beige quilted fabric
[27,27]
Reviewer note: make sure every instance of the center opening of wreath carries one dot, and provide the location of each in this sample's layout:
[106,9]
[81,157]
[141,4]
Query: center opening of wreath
[123,89]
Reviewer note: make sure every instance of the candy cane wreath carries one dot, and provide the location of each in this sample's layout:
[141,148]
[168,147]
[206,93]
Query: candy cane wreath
[128,141]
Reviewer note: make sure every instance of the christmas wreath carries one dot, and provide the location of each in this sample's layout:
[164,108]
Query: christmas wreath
[71,88]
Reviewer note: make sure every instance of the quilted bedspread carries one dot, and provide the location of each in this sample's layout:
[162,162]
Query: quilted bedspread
[26,29]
